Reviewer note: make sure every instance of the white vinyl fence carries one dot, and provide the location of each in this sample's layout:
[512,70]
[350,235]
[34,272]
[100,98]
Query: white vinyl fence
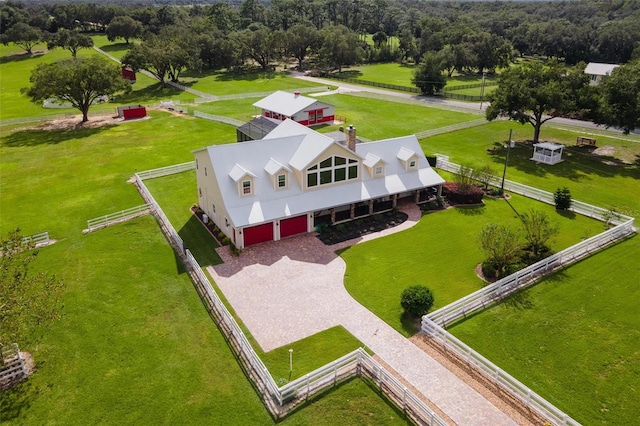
[451,128]
[13,368]
[280,400]
[212,98]
[165,171]
[218,118]
[433,324]
[493,373]
[442,162]
[119,217]
[38,240]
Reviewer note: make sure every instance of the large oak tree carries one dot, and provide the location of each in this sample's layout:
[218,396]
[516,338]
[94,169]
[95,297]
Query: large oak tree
[78,81]
[535,93]
[621,98]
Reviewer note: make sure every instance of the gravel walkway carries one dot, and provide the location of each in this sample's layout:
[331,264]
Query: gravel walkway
[287,290]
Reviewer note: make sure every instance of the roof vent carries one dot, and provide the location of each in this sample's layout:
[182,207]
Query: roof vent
[296,93]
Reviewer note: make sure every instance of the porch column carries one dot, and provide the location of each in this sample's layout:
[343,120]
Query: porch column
[439,191]
[417,197]
[370,206]
[352,210]
[394,200]
[333,216]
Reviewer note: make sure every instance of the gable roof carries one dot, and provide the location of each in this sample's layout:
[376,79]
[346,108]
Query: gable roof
[285,103]
[596,68]
[260,158]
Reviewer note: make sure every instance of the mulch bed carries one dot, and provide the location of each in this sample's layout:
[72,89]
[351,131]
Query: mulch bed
[358,227]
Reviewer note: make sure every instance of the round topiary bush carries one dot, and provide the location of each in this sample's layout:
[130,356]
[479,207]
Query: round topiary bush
[416,300]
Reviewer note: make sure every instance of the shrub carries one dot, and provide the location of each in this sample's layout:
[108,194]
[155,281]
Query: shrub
[562,198]
[463,194]
[417,300]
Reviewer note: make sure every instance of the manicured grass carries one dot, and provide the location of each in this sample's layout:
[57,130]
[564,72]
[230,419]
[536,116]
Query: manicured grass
[135,344]
[376,119]
[16,70]
[441,252]
[593,179]
[401,75]
[176,194]
[75,175]
[309,354]
[573,338]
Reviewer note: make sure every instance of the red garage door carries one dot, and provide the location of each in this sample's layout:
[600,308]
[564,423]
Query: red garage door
[293,226]
[258,234]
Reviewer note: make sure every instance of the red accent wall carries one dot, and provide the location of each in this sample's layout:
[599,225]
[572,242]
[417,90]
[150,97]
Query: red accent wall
[293,226]
[258,234]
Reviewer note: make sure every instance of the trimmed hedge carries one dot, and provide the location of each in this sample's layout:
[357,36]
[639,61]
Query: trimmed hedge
[463,194]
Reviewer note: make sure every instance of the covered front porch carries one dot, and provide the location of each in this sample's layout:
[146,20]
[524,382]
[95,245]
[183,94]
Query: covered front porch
[361,209]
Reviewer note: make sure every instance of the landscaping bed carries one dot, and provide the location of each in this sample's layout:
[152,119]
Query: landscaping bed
[334,234]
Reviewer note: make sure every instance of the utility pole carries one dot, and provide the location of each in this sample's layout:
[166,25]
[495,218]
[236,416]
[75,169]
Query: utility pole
[504,172]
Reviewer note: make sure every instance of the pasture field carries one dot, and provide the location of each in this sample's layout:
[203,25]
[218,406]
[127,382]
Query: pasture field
[573,337]
[135,343]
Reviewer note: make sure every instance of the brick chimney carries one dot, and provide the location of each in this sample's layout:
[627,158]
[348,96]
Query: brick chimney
[351,138]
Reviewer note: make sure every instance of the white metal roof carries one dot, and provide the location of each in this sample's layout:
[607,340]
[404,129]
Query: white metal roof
[285,103]
[596,68]
[548,145]
[266,203]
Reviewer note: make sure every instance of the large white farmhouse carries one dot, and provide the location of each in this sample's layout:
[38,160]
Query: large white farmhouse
[294,177]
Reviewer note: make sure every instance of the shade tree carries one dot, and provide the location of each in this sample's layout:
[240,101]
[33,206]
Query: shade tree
[124,27]
[620,105]
[79,81]
[22,35]
[71,40]
[535,93]
[428,76]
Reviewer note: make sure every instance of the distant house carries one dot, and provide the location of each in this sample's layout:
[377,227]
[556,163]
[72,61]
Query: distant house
[597,71]
[296,178]
[307,111]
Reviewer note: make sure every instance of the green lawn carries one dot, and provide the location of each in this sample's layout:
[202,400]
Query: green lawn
[441,252]
[573,338]
[135,344]
[593,179]
[401,75]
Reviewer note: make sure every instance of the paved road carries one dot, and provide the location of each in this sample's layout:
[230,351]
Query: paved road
[287,290]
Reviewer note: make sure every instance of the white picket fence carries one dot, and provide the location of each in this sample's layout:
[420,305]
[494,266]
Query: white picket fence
[14,367]
[280,400]
[119,217]
[38,240]
[218,118]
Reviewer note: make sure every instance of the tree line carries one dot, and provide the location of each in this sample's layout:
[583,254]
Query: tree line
[592,30]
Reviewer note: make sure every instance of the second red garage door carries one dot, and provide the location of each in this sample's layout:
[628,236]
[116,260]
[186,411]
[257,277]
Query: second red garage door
[258,234]
[293,226]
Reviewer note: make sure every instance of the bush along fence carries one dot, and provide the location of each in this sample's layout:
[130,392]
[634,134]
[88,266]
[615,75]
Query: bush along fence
[281,400]
[433,324]
[12,366]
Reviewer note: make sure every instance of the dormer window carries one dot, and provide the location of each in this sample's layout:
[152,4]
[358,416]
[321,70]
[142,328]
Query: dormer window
[375,165]
[378,170]
[409,159]
[282,181]
[279,174]
[246,187]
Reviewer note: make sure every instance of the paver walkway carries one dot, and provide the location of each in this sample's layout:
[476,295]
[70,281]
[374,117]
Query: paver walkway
[287,290]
